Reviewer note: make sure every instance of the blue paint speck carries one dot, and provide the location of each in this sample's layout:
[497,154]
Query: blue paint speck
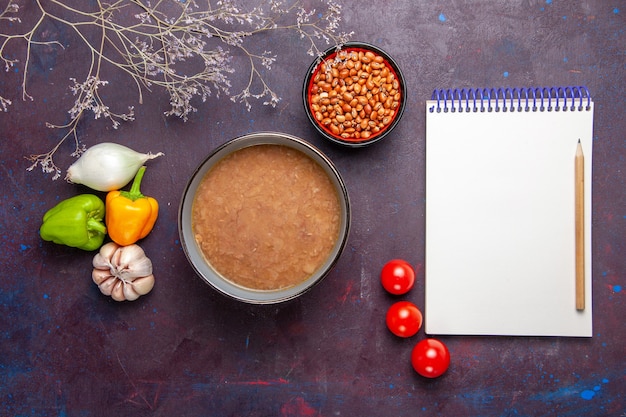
[442,17]
[617,288]
[548,1]
[587,394]
[505,74]
[23,247]
[46,296]
[605,381]
[565,59]
[616,10]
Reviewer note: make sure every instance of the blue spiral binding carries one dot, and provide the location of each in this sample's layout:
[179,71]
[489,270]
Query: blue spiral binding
[518,99]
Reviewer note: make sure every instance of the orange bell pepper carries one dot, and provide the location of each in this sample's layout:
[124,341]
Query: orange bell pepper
[130,215]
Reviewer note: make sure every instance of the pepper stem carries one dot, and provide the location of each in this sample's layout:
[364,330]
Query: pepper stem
[134,193]
[95,225]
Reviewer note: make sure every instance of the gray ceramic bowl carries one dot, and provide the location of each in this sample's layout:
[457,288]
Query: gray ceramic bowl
[194,253]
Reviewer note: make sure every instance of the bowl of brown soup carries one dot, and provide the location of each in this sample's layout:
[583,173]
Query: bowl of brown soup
[264,218]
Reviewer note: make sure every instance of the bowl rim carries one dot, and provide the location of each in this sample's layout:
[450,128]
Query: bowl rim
[354,45]
[193,253]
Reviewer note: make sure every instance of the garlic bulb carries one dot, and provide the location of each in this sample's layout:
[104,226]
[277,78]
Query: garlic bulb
[123,272]
[107,166]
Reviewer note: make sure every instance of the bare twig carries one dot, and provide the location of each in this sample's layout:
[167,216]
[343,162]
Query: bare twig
[155,47]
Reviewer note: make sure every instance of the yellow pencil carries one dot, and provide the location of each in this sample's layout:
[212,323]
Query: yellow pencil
[580,226]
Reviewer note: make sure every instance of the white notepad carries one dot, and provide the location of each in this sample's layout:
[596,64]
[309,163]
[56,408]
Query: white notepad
[500,211]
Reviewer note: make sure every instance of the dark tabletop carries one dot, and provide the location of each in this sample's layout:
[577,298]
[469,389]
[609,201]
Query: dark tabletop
[185,350]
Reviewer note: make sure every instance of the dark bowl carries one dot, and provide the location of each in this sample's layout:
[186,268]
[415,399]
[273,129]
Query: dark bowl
[228,285]
[354,96]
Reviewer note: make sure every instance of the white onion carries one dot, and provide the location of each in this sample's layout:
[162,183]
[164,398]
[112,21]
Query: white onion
[107,166]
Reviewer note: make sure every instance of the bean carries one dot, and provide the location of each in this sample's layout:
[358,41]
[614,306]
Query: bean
[356,95]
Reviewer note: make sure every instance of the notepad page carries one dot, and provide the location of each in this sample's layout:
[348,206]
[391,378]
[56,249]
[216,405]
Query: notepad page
[500,231]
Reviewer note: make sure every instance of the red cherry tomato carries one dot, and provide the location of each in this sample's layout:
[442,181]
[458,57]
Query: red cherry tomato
[404,319]
[430,358]
[397,277]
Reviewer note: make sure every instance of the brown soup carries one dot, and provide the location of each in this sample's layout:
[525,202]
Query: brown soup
[266,217]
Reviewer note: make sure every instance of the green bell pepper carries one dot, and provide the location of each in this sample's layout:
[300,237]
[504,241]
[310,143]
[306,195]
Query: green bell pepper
[75,222]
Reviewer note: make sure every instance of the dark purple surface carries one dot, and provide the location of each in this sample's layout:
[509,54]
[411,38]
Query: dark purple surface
[185,350]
